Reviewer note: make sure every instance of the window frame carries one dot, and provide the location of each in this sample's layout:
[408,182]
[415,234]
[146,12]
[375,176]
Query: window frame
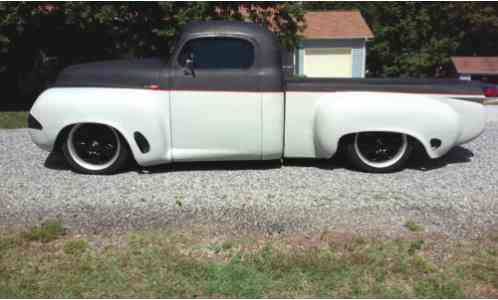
[249,40]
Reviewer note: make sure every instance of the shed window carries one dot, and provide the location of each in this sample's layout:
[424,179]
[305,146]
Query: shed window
[218,53]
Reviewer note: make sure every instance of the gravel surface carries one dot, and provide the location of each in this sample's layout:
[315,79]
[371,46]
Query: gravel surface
[456,195]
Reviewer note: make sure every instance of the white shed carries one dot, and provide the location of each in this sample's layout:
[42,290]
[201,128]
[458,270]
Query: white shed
[333,45]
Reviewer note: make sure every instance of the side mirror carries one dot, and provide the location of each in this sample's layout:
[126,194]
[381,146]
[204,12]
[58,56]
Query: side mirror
[189,65]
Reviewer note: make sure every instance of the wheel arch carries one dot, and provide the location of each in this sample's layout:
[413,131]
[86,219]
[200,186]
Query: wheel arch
[420,117]
[347,138]
[64,132]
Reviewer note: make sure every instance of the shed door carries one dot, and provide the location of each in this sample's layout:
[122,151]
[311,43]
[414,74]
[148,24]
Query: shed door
[328,62]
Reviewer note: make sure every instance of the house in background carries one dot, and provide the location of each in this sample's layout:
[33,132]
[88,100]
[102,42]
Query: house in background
[333,45]
[480,68]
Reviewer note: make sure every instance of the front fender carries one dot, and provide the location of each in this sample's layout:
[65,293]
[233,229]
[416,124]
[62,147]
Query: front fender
[422,117]
[127,110]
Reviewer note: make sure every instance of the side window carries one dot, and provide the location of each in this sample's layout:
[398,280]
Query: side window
[218,53]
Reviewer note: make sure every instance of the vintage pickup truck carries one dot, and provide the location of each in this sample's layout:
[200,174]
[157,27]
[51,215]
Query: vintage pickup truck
[222,95]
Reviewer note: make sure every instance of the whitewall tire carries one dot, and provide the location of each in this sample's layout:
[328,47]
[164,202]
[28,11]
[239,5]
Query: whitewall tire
[95,149]
[379,152]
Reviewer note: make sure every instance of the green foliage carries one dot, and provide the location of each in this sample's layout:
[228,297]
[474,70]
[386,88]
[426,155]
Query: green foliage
[13,119]
[75,247]
[39,39]
[236,279]
[46,232]
[415,39]
[412,226]
[415,246]
[438,287]
[227,245]
[422,265]
[412,39]
[8,242]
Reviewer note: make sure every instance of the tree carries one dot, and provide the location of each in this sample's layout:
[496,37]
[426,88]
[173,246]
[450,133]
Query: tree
[415,39]
[38,39]
[412,39]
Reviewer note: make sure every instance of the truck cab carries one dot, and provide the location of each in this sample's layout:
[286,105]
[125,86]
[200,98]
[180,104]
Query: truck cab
[227,94]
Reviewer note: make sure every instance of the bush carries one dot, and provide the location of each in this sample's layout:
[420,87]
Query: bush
[75,247]
[46,232]
[414,227]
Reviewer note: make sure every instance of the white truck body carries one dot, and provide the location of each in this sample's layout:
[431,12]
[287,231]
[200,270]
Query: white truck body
[207,126]
[188,118]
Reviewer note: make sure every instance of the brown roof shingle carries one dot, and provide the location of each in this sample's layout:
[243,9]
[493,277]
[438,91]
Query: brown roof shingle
[485,65]
[336,24]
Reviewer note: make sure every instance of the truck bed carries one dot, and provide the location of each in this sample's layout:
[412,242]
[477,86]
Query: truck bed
[419,86]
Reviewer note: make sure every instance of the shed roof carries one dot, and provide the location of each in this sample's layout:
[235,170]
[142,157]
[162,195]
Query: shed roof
[336,24]
[480,65]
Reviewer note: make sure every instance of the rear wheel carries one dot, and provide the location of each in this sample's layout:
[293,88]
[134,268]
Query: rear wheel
[379,152]
[95,149]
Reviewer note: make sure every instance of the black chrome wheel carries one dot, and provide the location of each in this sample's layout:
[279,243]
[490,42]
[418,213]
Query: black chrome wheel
[94,148]
[379,151]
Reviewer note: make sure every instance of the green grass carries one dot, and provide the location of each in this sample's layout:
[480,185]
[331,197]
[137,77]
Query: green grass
[75,247]
[46,232]
[187,263]
[414,227]
[13,119]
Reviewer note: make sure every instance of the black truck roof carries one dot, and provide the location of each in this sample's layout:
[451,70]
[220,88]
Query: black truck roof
[269,46]
[228,27]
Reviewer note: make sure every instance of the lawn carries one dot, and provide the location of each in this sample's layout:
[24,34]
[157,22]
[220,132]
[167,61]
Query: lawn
[48,261]
[13,119]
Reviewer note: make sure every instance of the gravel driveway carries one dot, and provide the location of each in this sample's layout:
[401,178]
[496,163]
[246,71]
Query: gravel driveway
[456,195]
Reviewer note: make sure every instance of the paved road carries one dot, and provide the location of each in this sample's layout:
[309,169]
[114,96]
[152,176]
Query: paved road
[456,195]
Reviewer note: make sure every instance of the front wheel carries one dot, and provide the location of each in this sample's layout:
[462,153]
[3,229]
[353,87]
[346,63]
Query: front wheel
[379,152]
[95,149]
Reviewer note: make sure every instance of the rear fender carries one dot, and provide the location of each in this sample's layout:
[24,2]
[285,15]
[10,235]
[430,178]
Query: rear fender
[422,117]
